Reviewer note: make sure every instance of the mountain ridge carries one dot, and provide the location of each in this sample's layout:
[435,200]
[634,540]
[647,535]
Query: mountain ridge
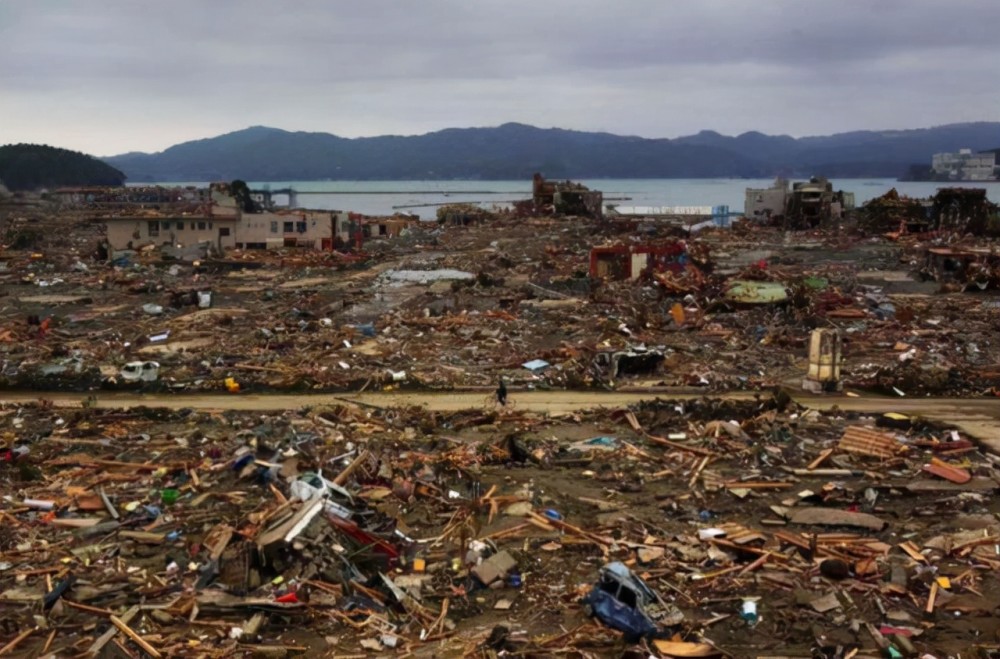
[515,150]
[34,166]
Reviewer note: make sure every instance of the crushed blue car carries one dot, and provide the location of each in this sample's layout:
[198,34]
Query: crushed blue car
[622,600]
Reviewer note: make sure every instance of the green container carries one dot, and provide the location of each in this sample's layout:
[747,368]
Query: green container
[168,496]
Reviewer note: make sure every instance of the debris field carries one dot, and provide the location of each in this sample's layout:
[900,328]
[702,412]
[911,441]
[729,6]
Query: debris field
[721,525]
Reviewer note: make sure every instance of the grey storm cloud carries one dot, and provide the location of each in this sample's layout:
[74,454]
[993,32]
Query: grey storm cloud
[111,76]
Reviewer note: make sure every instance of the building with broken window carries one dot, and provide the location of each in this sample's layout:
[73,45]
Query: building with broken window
[217,217]
[805,204]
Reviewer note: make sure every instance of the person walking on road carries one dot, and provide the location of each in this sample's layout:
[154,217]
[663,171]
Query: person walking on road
[502,393]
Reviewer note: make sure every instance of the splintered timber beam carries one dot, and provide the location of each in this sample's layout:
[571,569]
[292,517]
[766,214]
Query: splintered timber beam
[140,641]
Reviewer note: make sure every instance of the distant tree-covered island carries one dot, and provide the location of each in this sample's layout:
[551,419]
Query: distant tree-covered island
[26,167]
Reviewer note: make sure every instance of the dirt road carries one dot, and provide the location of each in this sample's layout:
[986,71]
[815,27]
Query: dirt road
[977,417]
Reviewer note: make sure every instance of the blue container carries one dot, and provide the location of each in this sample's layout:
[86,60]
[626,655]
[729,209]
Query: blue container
[514,579]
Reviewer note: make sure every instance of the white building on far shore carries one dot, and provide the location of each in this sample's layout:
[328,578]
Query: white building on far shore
[965,165]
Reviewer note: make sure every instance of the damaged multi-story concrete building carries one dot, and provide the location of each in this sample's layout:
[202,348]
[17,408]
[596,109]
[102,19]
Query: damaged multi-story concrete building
[223,216]
[562,198]
[798,205]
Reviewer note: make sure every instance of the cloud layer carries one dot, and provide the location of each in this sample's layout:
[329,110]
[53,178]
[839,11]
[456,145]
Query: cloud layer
[113,76]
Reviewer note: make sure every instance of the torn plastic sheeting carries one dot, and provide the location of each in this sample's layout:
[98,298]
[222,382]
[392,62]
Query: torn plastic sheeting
[141,372]
[318,486]
[602,443]
[312,486]
[536,365]
[365,329]
[427,276]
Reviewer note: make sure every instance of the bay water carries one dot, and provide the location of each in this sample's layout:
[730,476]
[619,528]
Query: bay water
[422,198]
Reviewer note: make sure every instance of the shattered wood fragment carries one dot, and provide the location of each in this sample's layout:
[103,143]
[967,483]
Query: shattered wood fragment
[76,522]
[633,422]
[931,598]
[977,484]
[105,613]
[679,447]
[253,626]
[756,564]
[966,547]
[871,443]
[834,517]
[217,540]
[342,477]
[143,537]
[912,551]
[942,469]
[139,640]
[820,460]
[107,504]
[697,471]
[550,523]
[16,641]
[759,485]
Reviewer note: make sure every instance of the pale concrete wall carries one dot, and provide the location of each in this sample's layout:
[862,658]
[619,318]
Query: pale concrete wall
[183,231]
[343,223]
[758,201]
[308,228]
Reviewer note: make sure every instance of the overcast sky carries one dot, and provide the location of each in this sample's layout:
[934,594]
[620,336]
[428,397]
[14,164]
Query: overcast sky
[107,77]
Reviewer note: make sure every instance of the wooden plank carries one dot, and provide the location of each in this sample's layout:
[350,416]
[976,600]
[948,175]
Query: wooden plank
[16,641]
[912,551]
[835,517]
[107,504]
[820,460]
[104,613]
[342,477]
[633,422]
[106,637]
[929,609]
[76,522]
[966,547]
[679,447]
[143,537]
[140,641]
[759,485]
